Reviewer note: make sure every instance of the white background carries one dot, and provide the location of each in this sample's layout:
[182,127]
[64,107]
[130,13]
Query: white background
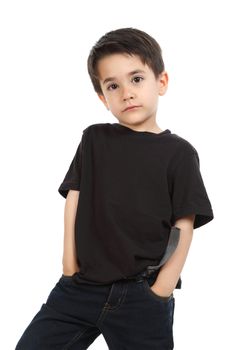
[47,100]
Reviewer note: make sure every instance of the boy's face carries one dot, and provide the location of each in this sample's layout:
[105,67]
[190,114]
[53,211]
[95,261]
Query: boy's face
[122,87]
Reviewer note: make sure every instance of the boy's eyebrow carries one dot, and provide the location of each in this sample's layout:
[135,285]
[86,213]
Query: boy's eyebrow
[130,73]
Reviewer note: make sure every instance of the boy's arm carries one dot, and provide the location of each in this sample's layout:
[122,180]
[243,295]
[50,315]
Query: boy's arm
[169,273]
[69,254]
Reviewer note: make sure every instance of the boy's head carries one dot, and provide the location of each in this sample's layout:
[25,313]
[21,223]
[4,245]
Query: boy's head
[127,69]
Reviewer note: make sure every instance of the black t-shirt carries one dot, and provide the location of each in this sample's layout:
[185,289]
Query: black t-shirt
[133,186]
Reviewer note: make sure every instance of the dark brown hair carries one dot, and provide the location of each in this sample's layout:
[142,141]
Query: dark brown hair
[127,41]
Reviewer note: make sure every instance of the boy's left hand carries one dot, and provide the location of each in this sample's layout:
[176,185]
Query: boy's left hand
[161,291]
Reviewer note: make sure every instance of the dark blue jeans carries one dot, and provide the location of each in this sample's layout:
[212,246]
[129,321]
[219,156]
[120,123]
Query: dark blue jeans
[128,314]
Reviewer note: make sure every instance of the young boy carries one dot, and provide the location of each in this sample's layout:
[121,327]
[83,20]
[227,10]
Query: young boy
[134,193]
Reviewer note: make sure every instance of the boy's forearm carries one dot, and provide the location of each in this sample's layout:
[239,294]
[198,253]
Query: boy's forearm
[169,273]
[69,260]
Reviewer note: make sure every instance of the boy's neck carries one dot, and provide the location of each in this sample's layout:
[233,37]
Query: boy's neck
[144,127]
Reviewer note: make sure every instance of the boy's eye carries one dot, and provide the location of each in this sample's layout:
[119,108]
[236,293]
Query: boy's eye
[110,86]
[139,79]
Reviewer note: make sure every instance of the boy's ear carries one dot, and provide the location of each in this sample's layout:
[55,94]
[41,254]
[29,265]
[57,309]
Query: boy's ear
[163,83]
[103,99]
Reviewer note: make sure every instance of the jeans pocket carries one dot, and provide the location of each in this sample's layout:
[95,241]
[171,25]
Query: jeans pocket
[66,279]
[155,296]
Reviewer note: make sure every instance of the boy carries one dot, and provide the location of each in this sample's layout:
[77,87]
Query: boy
[134,193]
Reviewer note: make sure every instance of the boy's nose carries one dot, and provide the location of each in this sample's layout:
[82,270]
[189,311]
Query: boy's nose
[128,98]
[127,94]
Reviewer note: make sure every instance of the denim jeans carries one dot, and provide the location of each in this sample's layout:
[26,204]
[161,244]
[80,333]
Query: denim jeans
[128,314]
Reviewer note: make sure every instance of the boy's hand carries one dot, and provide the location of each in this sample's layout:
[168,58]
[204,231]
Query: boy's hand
[163,292]
[70,272]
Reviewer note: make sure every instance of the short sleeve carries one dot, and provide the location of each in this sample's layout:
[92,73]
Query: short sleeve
[72,178]
[189,195]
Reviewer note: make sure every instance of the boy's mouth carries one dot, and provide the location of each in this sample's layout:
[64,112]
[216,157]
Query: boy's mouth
[130,107]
